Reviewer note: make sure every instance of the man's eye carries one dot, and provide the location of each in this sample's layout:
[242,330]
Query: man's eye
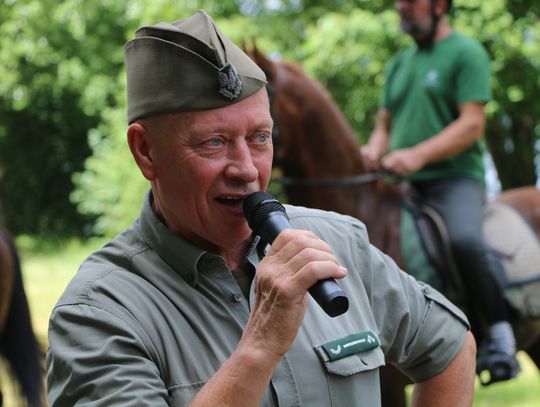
[262,137]
[215,142]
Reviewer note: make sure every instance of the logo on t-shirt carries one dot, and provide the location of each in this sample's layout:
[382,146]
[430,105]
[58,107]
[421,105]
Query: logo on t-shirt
[432,78]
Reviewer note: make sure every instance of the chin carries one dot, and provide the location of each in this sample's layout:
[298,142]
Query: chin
[236,235]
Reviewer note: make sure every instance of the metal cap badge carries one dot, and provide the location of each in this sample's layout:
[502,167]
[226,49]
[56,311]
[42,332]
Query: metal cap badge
[230,83]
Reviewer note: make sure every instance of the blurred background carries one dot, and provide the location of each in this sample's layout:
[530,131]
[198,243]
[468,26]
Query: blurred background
[67,181]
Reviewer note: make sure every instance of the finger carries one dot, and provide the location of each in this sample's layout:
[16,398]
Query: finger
[294,251]
[372,165]
[291,241]
[310,255]
[393,164]
[318,270]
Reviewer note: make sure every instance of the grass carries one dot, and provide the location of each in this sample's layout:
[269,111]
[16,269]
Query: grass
[48,267]
[524,391]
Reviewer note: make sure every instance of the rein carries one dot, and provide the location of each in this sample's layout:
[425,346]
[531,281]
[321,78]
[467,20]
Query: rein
[348,181]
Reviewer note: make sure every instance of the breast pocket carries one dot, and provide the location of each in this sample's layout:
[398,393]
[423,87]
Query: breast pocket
[353,378]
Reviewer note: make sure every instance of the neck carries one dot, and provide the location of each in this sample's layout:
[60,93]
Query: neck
[440,31]
[443,29]
[236,256]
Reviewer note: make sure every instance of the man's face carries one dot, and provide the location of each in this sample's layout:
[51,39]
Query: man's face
[209,161]
[416,17]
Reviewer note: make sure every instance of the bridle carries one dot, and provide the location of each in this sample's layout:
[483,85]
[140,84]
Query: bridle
[343,182]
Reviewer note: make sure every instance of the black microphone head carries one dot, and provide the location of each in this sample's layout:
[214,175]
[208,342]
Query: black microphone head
[258,205]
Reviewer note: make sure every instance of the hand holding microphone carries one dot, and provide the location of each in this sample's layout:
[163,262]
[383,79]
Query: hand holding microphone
[268,218]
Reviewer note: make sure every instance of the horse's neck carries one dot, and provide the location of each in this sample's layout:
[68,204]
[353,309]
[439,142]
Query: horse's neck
[320,145]
[334,147]
[330,150]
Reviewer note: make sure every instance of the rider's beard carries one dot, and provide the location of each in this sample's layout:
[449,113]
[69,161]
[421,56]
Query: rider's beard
[420,31]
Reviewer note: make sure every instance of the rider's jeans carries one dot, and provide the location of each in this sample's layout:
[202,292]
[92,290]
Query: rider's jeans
[460,201]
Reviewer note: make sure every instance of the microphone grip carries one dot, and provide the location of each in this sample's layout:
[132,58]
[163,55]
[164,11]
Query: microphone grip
[327,293]
[330,297]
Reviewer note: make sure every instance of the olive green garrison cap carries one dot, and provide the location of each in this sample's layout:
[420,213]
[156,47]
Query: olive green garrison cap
[186,65]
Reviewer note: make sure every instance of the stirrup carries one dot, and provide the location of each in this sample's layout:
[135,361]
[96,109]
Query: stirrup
[493,366]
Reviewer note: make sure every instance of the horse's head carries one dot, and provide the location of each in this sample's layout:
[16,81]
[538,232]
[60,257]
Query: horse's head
[314,140]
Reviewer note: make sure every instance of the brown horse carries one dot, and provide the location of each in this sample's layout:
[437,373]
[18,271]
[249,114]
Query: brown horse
[318,155]
[18,345]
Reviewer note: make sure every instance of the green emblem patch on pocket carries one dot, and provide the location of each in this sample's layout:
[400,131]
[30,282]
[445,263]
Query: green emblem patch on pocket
[351,344]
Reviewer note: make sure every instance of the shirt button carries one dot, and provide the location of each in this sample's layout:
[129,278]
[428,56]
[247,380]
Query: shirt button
[237,297]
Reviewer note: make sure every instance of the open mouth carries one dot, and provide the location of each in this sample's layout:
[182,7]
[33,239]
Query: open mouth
[232,202]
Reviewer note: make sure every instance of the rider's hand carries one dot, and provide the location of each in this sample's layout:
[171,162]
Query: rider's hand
[371,158]
[403,162]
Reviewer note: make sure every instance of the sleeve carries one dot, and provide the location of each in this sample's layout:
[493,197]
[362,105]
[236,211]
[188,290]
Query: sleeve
[389,71]
[384,98]
[474,75]
[421,331]
[97,359]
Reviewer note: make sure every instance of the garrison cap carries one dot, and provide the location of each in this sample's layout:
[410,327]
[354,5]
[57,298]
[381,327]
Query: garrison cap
[186,65]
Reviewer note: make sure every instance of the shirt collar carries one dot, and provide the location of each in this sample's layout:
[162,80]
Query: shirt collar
[182,256]
[178,253]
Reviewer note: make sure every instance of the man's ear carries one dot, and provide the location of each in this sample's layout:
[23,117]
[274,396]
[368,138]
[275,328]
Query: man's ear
[441,7]
[140,146]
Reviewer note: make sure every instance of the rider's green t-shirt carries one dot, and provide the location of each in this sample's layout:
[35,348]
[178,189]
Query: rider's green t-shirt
[423,92]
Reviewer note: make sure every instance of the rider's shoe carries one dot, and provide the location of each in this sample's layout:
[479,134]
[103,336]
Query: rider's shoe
[493,366]
[496,358]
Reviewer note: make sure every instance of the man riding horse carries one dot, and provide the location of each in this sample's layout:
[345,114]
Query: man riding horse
[429,129]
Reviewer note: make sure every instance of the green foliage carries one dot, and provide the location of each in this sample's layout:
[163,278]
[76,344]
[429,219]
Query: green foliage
[64,163]
[348,53]
[511,37]
[52,91]
[61,65]
[111,187]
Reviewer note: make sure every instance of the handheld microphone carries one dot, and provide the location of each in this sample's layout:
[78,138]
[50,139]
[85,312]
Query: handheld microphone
[267,218]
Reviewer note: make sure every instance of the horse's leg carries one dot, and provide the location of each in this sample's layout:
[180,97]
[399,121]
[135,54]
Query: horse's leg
[392,387]
[6,288]
[19,345]
[6,280]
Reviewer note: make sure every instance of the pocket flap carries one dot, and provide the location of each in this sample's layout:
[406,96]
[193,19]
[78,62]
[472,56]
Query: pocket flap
[341,358]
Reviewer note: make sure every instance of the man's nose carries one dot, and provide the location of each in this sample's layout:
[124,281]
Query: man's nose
[241,165]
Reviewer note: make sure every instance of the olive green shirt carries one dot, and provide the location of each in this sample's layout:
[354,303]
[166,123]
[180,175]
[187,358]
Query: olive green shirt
[149,318]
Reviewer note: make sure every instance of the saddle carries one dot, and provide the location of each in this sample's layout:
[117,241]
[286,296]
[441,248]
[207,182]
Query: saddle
[426,249]
[513,250]
[512,247]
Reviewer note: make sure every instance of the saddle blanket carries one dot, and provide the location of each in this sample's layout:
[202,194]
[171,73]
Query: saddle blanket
[508,237]
[518,248]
